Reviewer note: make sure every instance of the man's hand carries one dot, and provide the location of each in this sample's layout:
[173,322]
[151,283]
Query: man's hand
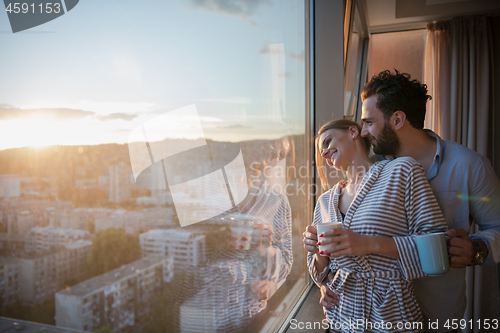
[460,248]
[328,299]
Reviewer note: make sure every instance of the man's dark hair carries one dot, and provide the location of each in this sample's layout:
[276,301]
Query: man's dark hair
[397,92]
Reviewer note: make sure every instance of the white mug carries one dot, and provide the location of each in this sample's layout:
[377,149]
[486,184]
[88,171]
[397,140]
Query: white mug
[323,227]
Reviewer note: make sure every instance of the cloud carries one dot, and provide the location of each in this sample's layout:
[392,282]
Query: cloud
[119,115]
[242,9]
[8,112]
[234,100]
[234,126]
[105,108]
[299,56]
[270,49]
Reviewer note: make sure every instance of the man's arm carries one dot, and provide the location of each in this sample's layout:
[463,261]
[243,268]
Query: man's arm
[484,207]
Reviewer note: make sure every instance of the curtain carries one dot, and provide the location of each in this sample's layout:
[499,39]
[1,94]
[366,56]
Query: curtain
[459,75]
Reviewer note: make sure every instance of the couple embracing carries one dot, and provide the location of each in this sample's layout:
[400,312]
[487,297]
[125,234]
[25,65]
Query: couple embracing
[369,271]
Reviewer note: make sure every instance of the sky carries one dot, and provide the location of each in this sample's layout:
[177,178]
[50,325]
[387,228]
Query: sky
[94,74]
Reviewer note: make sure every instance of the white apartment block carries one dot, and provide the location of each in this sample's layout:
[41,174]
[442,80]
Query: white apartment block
[42,275]
[10,186]
[9,281]
[21,222]
[135,222]
[119,299]
[42,239]
[77,218]
[185,247]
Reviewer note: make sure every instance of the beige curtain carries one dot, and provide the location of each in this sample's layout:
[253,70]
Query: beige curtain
[459,75]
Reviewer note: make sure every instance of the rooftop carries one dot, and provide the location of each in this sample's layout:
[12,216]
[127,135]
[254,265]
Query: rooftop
[78,244]
[176,234]
[13,325]
[81,243]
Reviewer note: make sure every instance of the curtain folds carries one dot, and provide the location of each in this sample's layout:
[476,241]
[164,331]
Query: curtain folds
[459,75]
[459,72]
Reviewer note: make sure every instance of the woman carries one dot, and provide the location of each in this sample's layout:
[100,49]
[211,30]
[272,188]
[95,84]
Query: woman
[373,273]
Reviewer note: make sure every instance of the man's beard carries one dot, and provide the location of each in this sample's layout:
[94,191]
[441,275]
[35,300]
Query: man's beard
[388,142]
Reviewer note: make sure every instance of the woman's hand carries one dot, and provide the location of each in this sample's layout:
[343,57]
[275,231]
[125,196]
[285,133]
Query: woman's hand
[354,244]
[310,239]
[349,243]
[263,237]
[261,290]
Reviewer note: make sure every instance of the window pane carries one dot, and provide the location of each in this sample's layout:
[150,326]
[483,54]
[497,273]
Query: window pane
[403,51]
[153,171]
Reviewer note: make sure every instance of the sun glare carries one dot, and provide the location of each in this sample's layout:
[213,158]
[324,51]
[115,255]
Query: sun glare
[40,132]
[37,132]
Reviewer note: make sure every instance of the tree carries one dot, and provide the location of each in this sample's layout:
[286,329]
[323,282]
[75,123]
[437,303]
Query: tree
[112,248]
[164,316]
[91,226]
[42,313]
[102,329]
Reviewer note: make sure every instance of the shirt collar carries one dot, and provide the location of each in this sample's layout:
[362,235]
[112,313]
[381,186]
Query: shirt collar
[433,170]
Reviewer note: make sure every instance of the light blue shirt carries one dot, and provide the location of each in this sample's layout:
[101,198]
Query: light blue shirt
[467,189]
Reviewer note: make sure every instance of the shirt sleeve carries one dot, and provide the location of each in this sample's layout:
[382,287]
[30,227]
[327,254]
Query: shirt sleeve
[320,209]
[423,216]
[484,207]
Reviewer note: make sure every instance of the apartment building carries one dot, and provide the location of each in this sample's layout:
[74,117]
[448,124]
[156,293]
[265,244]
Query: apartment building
[40,239]
[20,222]
[187,248]
[118,299]
[9,281]
[11,244]
[120,182]
[42,275]
[135,222]
[10,186]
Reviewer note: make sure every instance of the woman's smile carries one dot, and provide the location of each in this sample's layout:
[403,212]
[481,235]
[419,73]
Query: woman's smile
[333,155]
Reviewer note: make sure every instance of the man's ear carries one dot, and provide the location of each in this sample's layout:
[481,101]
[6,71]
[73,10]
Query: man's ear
[399,119]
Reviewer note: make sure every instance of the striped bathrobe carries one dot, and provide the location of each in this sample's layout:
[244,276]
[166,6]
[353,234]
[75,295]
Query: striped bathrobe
[394,200]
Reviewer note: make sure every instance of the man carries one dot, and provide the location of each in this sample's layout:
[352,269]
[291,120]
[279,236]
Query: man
[463,181]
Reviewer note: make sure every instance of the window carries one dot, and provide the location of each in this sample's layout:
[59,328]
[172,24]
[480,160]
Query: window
[230,79]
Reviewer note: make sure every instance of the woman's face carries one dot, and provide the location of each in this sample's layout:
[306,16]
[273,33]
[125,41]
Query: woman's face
[336,147]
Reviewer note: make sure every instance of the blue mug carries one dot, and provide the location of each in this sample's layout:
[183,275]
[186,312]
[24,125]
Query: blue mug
[433,253]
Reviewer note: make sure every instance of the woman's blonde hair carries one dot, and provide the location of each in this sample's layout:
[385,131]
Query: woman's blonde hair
[339,124]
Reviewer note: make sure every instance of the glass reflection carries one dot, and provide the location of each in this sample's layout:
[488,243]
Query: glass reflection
[87,241]
[247,253]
